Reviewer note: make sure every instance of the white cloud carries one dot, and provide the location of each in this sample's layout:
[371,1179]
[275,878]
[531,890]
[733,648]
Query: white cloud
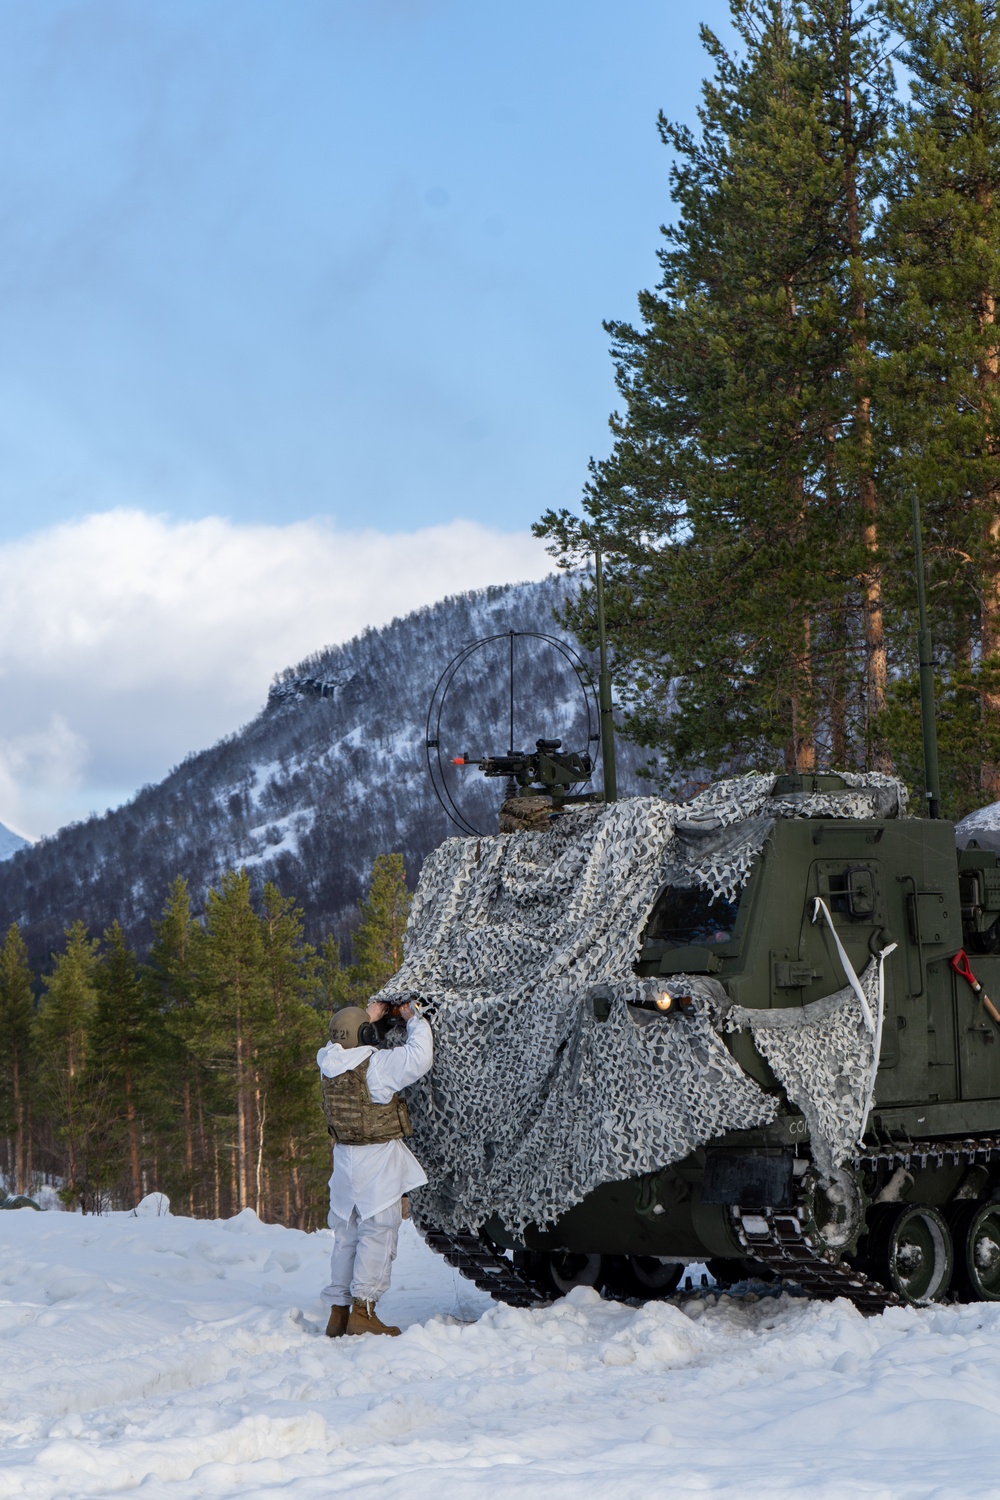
[127,640]
[39,766]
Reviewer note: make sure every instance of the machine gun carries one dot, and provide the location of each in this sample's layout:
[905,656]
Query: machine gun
[543,771]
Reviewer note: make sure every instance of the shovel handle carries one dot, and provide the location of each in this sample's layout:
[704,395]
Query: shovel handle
[990,1008]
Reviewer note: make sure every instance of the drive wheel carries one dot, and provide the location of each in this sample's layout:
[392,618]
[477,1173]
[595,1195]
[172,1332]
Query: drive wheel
[910,1250]
[975,1228]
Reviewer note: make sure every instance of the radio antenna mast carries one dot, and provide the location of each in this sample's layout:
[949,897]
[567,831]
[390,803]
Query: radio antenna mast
[928,721]
[604,690]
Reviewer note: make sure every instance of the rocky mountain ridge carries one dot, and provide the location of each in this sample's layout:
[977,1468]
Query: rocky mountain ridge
[331,773]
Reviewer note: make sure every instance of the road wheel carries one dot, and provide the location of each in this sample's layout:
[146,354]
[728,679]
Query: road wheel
[567,1271]
[556,1272]
[975,1229]
[653,1277]
[909,1250]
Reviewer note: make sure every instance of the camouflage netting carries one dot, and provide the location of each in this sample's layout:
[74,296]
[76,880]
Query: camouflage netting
[533,1101]
[824,1054]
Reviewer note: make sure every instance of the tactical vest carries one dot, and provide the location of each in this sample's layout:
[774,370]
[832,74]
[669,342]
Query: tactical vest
[352,1116]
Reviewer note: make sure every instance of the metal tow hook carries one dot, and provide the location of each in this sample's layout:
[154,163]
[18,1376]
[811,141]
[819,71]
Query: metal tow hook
[960,964]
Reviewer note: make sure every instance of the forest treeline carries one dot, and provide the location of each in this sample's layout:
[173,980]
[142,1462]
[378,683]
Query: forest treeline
[192,1072]
[821,349]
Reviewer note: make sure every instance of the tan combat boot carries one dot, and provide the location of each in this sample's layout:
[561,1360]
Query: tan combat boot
[364,1319]
[337,1326]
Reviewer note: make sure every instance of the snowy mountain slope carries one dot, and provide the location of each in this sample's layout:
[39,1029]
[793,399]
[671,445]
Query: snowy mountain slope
[11,842]
[183,1358]
[331,773]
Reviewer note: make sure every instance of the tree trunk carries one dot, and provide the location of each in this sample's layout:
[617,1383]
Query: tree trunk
[293,1200]
[71,1162]
[188,1142]
[19,1176]
[800,755]
[203,1145]
[837,625]
[261,1121]
[838,702]
[242,1191]
[133,1137]
[876,667]
[28,1146]
[989,503]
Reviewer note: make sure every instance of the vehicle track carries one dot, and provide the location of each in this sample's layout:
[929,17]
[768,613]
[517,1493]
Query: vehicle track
[778,1239]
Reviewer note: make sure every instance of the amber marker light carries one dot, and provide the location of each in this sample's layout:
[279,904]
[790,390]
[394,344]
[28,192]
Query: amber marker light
[664,1001]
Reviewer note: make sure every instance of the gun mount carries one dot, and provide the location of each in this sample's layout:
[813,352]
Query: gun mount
[539,783]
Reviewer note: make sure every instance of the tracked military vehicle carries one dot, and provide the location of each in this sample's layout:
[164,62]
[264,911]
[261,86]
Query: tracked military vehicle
[753,1030]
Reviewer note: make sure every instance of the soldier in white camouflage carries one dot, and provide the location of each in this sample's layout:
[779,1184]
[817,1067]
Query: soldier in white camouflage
[372,1167]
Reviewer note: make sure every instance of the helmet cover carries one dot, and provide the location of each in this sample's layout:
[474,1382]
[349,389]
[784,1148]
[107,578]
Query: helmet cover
[345,1025]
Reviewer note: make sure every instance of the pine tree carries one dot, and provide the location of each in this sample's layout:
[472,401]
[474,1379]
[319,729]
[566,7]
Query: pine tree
[16,1056]
[231,1007]
[293,1155]
[171,980]
[333,979]
[847,45]
[123,1033]
[738,511]
[60,1038]
[377,945]
[940,382]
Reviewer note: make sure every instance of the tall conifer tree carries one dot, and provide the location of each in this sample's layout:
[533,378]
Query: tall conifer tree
[123,1036]
[296,1144]
[231,1009]
[940,382]
[171,979]
[16,1059]
[377,945]
[738,509]
[60,1034]
[377,941]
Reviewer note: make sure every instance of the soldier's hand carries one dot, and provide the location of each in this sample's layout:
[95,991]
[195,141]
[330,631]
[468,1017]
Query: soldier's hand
[376,1010]
[407,1012]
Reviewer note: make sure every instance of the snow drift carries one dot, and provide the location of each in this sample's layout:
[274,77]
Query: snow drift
[186,1358]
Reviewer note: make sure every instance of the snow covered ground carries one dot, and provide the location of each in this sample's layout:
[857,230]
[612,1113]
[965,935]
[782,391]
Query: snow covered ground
[186,1358]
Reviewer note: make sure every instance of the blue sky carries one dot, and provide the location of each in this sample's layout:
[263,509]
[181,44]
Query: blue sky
[276,260]
[271,262]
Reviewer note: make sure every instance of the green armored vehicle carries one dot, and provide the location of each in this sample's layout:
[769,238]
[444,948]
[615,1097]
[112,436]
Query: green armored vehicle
[753,1029]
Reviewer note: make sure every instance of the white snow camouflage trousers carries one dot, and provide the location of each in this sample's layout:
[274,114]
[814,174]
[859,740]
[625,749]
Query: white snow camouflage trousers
[362,1255]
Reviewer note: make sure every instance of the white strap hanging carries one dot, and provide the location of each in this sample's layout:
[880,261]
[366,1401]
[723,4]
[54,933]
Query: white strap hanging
[874,1023]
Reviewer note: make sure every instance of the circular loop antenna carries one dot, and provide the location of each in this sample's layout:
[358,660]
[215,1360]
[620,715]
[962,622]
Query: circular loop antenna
[439,698]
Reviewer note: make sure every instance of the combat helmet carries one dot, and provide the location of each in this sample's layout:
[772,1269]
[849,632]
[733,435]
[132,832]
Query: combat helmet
[345,1025]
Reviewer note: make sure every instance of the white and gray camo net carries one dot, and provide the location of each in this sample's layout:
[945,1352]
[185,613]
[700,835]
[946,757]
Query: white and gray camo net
[532,1102]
